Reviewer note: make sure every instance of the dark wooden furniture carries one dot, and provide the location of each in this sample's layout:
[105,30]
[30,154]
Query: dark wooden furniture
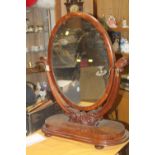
[36,115]
[81,61]
[74,5]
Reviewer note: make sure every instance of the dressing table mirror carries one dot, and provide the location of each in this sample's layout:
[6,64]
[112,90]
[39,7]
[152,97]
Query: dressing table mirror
[84,78]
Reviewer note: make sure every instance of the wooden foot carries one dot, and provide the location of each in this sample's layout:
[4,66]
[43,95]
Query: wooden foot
[99,147]
[48,134]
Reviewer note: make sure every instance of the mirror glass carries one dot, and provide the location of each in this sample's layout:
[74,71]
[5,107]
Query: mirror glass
[80,62]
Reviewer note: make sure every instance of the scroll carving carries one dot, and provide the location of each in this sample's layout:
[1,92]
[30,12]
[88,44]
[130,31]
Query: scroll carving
[87,118]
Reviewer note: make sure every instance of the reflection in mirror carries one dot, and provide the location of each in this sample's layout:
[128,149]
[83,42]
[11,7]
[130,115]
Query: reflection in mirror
[80,62]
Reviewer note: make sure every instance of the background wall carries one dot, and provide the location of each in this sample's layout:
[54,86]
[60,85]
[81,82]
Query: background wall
[118,8]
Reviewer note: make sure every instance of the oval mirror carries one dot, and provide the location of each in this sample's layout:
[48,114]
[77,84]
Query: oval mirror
[81,61]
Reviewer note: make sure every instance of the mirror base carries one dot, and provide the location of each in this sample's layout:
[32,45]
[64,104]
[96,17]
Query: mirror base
[105,133]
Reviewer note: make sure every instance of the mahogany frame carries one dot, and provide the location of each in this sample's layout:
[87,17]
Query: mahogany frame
[110,54]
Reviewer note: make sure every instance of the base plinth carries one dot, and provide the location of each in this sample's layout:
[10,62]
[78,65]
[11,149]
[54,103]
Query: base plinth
[106,133]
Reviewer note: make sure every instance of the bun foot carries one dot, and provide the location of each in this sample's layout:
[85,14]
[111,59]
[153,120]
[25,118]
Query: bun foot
[99,147]
[48,134]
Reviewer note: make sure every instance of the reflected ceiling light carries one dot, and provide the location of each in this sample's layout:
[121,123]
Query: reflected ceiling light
[90,60]
[67,33]
[78,60]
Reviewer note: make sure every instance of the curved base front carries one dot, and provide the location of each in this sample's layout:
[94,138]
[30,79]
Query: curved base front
[105,133]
